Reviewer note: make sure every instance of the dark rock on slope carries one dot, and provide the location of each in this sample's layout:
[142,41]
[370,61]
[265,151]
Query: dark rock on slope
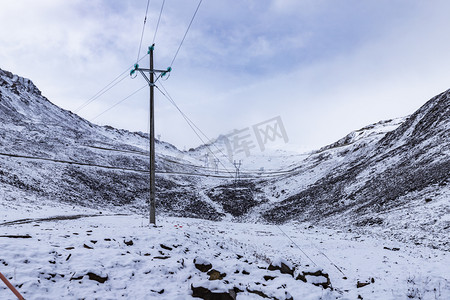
[410,158]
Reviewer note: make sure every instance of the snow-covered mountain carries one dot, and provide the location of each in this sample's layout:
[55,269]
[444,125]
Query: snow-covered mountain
[397,179]
[366,217]
[54,154]
[392,174]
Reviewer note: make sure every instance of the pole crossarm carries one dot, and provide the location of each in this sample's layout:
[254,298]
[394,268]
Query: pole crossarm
[153,71]
[162,73]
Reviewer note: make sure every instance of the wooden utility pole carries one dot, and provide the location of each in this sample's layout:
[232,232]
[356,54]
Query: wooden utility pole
[237,165]
[152,138]
[151,82]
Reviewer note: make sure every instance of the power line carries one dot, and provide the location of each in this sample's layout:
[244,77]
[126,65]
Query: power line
[185,34]
[98,95]
[117,103]
[191,124]
[338,268]
[190,121]
[244,174]
[296,245]
[159,19]
[107,87]
[107,167]
[142,34]
[71,162]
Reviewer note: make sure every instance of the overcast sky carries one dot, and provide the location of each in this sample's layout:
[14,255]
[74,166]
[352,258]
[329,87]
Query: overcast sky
[326,67]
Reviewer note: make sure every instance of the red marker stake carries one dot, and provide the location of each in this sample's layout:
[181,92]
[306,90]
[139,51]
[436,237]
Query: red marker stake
[11,287]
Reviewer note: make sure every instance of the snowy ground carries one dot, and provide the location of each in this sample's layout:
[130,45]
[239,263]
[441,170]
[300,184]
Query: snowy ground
[70,259]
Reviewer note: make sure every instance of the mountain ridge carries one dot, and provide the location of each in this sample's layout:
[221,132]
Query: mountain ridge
[355,181]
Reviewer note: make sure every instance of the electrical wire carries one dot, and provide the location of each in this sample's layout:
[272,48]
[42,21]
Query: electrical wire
[103,92]
[296,245]
[159,19]
[107,87]
[185,34]
[71,162]
[261,174]
[107,167]
[318,250]
[117,103]
[115,81]
[190,121]
[191,124]
[143,29]
[247,176]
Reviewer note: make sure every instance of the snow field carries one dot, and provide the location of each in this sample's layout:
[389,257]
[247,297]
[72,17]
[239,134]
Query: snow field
[70,259]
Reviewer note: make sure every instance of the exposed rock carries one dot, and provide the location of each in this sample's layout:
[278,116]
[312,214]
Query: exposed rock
[202,264]
[360,284]
[392,249]
[17,236]
[318,278]
[93,276]
[206,294]
[267,277]
[259,293]
[216,275]
[165,247]
[282,266]
[264,295]
[289,296]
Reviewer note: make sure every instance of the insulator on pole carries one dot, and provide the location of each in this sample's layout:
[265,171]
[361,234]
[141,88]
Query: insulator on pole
[165,73]
[151,48]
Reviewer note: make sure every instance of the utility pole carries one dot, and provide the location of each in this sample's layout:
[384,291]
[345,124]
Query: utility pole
[206,160]
[237,165]
[216,165]
[151,82]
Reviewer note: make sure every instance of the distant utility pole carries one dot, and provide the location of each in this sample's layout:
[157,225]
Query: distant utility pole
[237,165]
[206,160]
[151,82]
[216,165]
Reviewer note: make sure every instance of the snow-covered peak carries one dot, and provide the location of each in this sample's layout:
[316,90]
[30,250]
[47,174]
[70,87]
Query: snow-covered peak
[367,133]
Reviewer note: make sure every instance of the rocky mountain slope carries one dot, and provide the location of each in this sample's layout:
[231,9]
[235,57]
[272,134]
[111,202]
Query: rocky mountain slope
[53,154]
[404,169]
[393,174]
[374,175]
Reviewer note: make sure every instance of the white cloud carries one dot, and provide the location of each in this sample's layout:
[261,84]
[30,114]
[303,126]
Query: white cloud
[326,67]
